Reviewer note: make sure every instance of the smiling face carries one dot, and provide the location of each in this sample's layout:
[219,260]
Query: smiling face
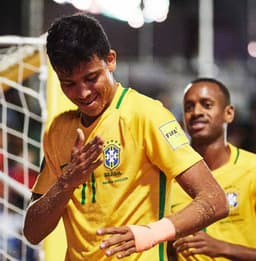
[90,86]
[206,112]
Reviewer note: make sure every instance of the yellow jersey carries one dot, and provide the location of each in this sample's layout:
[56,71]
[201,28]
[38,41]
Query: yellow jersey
[144,149]
[238,179]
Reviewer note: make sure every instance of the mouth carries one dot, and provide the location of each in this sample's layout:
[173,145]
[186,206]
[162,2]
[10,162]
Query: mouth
[88,102]
[197,125]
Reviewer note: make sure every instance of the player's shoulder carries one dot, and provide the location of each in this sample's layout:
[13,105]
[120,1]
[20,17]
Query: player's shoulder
[248,154]
[137,96]
[68,115]
[64,118]
[138,108]
[245,157]
[141,104]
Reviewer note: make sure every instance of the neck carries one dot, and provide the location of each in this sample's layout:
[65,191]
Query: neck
[87,121]
[215,154]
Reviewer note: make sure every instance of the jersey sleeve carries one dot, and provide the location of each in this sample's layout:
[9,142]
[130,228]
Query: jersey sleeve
[48,173]
[166,143]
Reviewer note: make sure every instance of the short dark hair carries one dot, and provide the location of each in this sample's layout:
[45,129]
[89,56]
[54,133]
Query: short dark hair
[221,86]
[74,39]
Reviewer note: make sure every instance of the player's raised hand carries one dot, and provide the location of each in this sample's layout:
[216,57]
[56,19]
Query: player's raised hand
[84,159]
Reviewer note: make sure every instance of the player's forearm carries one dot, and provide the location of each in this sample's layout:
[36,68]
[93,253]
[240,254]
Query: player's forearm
[209,202]
[44,214]
[237,252]
[202,211]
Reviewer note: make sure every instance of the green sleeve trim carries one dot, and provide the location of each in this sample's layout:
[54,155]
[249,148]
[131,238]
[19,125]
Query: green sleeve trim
[162,191]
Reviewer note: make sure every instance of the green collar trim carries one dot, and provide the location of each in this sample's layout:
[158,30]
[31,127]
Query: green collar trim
[237,155]
[118,104]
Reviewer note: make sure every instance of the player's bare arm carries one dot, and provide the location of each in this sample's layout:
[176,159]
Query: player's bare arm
[48,209]
[208,205]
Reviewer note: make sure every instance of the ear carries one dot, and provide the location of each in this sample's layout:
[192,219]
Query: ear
[111,60]
[229,113]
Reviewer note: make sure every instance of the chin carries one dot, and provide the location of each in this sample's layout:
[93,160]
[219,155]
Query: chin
[93,114]
[198,135]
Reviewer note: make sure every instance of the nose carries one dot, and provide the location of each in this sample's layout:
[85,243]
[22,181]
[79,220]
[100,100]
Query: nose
[197,109]
[83,91]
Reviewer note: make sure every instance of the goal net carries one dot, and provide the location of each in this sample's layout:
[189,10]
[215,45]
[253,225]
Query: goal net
[23,78]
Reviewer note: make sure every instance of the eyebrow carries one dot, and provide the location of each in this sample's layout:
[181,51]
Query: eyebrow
[86,75]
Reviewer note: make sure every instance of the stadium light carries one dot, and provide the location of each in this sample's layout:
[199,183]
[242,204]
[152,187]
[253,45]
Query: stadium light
[134,12]
[252,49]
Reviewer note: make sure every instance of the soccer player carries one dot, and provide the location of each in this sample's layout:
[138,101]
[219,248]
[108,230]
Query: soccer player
[109,164]
[207,113]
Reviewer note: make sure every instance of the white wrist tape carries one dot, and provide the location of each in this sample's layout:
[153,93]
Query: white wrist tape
[148,236]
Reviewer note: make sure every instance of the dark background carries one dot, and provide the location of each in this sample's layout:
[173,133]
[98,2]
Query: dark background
[176,36]
[164,62]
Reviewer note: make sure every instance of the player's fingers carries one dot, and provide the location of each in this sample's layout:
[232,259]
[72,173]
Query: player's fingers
[113,230]
[87,153]
[90,157]
[90,146]
[195,251]
[126,253]
[92,152]
[123,250]
[90,168]
[79,139]
[118,242]
[184,240]
[189,245]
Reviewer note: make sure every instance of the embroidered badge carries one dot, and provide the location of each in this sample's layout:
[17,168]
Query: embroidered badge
[111,154]
[232,199]
[174,134]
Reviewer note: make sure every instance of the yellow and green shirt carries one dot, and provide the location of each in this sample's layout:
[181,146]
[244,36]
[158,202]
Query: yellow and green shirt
[238,179]
[144,149]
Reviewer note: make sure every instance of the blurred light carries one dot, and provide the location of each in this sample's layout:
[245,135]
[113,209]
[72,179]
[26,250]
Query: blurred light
[136,20]
[135,12]
[60,1]
[121,10]
[155,10]
[252,49]
[82,5]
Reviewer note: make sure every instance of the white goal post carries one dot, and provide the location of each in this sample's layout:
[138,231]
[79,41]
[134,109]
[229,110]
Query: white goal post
[23,115]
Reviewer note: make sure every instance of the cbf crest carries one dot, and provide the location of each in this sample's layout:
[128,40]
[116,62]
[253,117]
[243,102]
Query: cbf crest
[111,154]
[232,198]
